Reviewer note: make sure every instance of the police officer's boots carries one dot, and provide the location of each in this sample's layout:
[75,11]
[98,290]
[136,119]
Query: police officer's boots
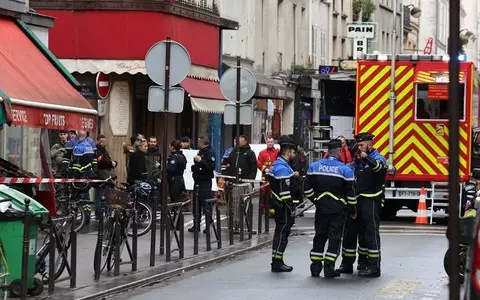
[345,268]
[278,266]
[329,270]
[316,268]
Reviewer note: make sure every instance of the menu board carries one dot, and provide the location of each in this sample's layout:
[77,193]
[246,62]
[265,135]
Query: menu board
[119,104]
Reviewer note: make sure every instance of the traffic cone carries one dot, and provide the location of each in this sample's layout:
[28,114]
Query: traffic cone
[422,208]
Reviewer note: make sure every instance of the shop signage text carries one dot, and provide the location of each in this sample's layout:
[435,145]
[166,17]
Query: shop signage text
[360,30]
[41,118]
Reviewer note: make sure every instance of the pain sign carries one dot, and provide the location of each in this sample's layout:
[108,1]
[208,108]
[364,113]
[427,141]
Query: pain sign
[361,31]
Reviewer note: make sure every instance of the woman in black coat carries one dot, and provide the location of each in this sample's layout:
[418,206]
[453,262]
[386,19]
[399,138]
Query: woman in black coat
[138,164]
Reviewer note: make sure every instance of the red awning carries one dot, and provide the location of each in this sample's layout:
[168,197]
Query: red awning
[40,95]
[205,95]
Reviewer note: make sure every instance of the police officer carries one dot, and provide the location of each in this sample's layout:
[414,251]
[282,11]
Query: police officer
[352,233]
[370,172]
[176,165]
[202,169]
[329,184]
[281,202]
[84,161]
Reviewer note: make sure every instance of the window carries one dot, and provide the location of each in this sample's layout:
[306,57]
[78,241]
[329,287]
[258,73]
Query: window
[432,101]
[314,46]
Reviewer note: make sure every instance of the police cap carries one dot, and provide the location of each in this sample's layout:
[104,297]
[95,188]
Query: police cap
[334,144]
[363,137]
[287,142]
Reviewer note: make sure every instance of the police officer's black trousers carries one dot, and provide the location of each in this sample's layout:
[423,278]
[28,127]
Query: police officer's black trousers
[204,189]
[283,224]
[369,213]
[351,234]
[327,227]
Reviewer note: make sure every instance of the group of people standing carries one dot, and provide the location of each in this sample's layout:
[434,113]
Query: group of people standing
[347,189]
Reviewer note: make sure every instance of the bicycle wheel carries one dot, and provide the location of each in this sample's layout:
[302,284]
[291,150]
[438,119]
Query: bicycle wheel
[80,217]
[144,219]
[43,261]
[107,243]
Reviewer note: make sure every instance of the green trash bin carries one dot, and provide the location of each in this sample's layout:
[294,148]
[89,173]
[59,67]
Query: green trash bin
[11,234]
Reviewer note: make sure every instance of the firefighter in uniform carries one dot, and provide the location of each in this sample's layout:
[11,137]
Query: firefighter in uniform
[329,184]
[370,174]
[265,160]
[352,233]
[279,177]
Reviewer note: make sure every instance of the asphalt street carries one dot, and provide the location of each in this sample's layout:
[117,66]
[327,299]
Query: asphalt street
[412,268]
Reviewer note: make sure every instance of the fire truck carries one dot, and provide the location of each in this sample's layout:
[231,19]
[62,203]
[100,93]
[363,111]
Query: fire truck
[419,137]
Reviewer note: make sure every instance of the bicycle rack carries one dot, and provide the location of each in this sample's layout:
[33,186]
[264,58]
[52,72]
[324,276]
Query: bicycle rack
[121,231]
[212,205]
[55,243]
[176,223]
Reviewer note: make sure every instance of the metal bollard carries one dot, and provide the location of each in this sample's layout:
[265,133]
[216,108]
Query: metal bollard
[98,247]
[135,239]
[230,214]
[250,219]
[164,222]
[153,230]
[73,254]
[168,241]
[241,218]
[219,227]
[260,210]
[118,238]
[208,223]
[196,220]
[51,258]
[182,234]
[25,250]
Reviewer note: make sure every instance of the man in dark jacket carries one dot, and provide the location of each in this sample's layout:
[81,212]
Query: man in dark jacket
[246,159]
[106,168]
[202,169]
[154,159]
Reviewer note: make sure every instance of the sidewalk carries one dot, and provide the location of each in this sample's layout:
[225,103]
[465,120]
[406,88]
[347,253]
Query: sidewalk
[108,284]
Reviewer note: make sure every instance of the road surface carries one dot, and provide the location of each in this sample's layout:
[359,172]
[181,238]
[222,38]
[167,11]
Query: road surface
[412,268]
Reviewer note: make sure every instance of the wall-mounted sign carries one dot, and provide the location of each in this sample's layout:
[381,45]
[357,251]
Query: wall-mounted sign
[102,84]
[359,47]
[361,30]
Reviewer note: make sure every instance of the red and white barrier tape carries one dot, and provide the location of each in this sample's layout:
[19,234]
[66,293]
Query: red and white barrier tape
[20,180]
[242,180]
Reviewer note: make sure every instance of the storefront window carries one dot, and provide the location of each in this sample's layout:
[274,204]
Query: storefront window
[432,101]
[21,147]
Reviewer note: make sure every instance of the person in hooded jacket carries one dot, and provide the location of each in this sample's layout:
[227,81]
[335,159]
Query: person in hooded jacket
[176,164]
[247,160]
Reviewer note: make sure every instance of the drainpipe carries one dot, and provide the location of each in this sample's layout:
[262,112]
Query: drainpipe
[393,97]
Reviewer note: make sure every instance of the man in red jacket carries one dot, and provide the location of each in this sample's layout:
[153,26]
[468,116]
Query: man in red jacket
[345,155]
[265,160]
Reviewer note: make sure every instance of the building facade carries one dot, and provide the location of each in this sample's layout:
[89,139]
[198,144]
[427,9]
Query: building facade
[411,26]
[113,38]
[383,16]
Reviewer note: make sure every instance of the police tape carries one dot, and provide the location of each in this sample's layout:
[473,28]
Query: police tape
[26,180]
[240,179]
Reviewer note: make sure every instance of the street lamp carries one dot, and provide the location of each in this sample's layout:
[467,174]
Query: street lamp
[414,12]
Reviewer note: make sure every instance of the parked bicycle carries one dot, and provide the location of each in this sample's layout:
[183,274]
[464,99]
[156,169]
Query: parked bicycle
[69,201]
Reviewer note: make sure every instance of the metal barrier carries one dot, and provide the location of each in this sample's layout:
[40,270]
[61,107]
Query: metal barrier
[211,206]
[175,223]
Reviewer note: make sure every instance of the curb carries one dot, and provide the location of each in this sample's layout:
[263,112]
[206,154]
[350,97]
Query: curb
[163,276]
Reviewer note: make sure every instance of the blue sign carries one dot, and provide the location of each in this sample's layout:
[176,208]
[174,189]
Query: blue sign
[327,69]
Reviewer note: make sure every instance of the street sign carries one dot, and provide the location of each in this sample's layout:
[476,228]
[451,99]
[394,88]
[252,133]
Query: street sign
[155,62]
[230,114]
[228,84]
[102,84]
[156,99]
[361,30]
[359,47]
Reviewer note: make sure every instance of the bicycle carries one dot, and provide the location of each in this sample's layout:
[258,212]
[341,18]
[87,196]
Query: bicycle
[69,202]
[3,272]
[122,209]
[61,234]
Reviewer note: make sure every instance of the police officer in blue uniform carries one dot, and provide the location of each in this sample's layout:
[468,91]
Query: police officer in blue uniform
[280,176]
[84,161]
[329,185]
[370,172]
[352,235]
[176,165]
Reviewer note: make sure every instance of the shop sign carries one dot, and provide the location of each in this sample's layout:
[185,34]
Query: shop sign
[438,92]
[361,31]
[52,119]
